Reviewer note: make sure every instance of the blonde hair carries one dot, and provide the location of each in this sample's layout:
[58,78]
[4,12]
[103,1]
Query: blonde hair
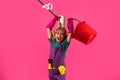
[64,32]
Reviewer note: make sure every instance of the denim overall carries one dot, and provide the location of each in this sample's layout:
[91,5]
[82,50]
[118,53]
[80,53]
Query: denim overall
[57,54]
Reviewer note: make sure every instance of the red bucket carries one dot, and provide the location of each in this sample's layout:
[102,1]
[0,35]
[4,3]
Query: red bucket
[84,33]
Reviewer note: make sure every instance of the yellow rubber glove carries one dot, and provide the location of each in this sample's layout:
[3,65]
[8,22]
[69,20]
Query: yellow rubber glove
[61,69]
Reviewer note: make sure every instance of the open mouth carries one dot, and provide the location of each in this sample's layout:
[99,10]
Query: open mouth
[58,38]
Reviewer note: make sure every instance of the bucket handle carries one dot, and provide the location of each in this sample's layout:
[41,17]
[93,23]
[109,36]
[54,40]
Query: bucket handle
[76,20]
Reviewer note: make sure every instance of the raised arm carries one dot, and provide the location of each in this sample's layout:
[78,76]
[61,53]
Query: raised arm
[50,26]
[70,29]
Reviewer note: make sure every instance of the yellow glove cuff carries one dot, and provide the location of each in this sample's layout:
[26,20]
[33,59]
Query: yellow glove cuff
[49,66]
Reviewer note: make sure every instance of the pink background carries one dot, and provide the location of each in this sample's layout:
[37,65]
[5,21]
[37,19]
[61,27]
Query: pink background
[24,47]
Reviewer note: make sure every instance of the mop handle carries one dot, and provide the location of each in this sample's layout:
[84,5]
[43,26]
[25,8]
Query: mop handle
[48,10]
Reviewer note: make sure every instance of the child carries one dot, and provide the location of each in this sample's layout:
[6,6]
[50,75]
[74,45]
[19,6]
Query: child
[59,42]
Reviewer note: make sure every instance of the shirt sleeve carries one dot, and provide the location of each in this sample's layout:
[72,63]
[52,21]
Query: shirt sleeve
[50,40]
[65,45]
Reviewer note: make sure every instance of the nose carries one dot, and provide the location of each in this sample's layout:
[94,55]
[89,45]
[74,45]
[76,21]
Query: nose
[59,35]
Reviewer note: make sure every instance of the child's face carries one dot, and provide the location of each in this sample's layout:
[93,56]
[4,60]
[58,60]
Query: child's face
[59,36]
